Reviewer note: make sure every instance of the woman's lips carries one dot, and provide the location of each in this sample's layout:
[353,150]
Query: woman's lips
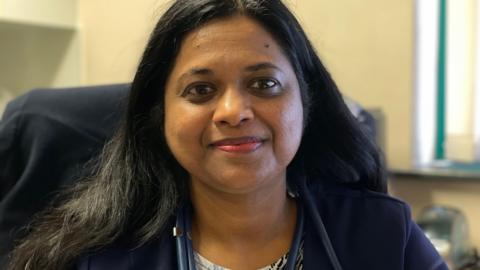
[238,145]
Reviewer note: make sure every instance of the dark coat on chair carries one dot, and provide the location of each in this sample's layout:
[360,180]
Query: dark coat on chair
[46,138]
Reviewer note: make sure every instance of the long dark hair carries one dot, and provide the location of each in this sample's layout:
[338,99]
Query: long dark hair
[138,184]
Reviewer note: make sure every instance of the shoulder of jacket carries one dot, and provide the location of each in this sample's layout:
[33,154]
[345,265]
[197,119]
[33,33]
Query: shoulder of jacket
[361,197]
[355,193]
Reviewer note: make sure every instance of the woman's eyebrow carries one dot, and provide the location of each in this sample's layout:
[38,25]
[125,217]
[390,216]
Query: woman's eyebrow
[260,66]
[196,71]
[251,68]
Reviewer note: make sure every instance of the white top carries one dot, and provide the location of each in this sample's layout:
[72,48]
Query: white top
[203,263]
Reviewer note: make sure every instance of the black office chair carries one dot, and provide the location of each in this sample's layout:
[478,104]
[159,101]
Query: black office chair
[46,138]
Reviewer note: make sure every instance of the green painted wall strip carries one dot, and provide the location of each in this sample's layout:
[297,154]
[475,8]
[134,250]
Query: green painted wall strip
[441,81]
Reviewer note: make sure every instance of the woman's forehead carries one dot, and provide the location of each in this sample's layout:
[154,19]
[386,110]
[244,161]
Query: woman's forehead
[227,39]
[229,27]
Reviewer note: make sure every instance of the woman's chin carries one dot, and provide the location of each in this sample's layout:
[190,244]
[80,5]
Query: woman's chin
[241,183]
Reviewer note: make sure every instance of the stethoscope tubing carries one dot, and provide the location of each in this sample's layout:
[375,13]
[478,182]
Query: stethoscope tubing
[180,237]
[297,239]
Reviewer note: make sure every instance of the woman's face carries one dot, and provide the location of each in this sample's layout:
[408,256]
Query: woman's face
[233,111]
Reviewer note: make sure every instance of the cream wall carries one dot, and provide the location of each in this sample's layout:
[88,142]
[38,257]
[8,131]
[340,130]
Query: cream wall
[114,33]
[367,45]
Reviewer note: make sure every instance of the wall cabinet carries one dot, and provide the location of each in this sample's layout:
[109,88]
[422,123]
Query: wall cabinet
[52,13]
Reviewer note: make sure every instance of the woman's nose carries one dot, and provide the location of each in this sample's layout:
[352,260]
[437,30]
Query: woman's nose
[233,108]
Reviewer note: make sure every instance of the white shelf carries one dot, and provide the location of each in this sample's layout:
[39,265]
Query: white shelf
[51,13]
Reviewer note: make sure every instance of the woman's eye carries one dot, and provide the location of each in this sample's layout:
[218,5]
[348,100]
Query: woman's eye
[198,92]
[266,86]
[263,84]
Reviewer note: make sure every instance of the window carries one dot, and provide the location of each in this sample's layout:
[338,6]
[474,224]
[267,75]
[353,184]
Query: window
[447,83]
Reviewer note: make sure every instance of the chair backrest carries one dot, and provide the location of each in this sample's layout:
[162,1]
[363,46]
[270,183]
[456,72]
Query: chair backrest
[46,138]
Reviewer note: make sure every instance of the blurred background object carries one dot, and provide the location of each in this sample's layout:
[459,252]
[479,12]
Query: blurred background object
[448,230]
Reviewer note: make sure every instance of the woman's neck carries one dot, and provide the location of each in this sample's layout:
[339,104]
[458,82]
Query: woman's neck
[229,228]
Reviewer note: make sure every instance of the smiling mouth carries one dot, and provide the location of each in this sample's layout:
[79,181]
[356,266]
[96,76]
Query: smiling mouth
[238,145]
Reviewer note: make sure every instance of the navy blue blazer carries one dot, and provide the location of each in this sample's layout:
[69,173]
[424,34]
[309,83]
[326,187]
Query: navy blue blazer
[368,230]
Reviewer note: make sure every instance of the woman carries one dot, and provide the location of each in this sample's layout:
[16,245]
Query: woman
[237,139]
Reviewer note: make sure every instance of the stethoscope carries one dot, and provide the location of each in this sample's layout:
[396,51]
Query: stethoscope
[182,229]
